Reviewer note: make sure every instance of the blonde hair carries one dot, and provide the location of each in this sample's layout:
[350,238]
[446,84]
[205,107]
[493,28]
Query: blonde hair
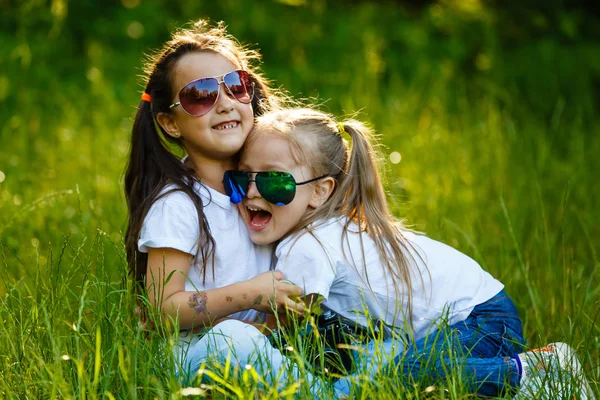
[317,141]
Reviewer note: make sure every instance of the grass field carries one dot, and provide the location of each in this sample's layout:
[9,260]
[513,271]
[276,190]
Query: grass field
[491,142]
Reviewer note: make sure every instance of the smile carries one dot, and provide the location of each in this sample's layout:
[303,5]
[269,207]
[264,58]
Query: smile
[258,219]
[226,125]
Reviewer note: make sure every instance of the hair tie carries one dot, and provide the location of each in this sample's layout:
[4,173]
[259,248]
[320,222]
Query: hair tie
[343,133]
[146,97]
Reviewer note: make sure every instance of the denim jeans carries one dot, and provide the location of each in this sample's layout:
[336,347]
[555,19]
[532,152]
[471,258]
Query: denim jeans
[481,346]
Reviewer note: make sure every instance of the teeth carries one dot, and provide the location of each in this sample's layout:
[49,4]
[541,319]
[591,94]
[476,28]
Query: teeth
[253,209]
[228,125]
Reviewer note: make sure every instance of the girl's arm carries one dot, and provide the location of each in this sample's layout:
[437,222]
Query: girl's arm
[165,283]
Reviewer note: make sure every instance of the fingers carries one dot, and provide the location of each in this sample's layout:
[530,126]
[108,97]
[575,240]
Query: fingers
[296,291]
[297,307]
[285,304]
[291,288]
[277,275]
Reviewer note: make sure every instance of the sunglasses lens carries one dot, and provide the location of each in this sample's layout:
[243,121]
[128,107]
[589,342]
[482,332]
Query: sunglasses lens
[198,97]
[236,184]
[238,83]
[277,188]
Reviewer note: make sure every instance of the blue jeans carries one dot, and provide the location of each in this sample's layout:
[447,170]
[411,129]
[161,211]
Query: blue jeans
[481,346]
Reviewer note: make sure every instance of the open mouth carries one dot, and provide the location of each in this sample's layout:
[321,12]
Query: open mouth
[257,218]
[226,125]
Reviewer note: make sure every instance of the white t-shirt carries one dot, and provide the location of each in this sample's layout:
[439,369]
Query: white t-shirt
[173,222]
[451,285]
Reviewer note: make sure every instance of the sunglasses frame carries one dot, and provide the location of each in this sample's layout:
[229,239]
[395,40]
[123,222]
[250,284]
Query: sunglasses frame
[236,191]
[220,79]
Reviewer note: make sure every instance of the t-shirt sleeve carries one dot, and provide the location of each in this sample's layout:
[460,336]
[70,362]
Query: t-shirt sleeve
[171,222]
[305,262]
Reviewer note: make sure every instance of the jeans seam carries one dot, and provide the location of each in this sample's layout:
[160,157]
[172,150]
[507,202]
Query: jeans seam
[495,315]
[496,298]
[512,370]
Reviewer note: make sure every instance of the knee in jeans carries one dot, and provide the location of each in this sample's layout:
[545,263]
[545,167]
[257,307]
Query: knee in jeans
[235,337]
[512,342]
[229,327]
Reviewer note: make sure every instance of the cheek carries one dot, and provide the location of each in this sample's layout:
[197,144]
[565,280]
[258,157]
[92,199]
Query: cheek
[294,212]
[305,195]
[194,123]
[248,112]
[247,121]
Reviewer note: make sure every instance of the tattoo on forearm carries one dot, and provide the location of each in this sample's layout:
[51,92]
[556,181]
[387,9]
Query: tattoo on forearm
[228,299]
[245,296]
[198,301]
[257,300]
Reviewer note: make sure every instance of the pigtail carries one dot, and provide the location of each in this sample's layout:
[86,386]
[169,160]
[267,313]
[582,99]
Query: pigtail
[364,203]
[150,168]
[364,196]
[134,184]
[146,149]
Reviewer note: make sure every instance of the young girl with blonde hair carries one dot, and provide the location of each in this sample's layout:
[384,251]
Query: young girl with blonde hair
[310,184]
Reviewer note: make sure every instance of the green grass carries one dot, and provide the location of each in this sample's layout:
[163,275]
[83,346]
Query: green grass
[498,147]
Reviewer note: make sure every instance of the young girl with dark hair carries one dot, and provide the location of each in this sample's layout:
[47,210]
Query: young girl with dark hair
[309,184]
[187,245]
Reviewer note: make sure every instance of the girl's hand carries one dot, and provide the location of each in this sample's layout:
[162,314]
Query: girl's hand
[268,292]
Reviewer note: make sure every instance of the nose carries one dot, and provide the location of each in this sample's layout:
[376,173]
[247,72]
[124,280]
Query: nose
[253,192]
[224,101]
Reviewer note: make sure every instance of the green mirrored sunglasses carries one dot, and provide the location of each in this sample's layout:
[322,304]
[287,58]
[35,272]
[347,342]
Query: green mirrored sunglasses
[276,187]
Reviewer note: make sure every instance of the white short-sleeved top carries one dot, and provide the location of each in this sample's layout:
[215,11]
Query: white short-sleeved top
[452,284]
[172,222]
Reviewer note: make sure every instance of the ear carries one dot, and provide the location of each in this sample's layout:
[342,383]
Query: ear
[166,121]
[323,189]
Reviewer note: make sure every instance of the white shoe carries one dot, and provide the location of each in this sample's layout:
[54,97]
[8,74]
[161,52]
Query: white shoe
[553,372]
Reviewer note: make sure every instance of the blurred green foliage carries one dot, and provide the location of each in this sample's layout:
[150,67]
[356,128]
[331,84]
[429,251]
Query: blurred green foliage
[454,84]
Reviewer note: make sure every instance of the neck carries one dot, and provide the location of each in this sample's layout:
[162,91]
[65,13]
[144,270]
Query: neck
[210,171]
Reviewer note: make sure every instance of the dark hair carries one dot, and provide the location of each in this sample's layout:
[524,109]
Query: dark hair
[152,166]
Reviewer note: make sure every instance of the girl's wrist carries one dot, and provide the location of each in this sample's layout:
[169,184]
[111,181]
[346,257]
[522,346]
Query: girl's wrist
[245,295]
